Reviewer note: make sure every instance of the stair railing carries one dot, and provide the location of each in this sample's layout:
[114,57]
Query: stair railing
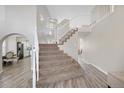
[67,36]
[35,60]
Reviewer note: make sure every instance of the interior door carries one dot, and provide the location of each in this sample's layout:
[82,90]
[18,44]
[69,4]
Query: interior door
[20,50]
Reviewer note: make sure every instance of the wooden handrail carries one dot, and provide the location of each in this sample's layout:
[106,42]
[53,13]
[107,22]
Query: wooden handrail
[67,36]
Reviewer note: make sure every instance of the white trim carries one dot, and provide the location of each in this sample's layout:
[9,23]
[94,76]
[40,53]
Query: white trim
[103,17]
[86,62]
[33,67]
[100,69]
[37,63]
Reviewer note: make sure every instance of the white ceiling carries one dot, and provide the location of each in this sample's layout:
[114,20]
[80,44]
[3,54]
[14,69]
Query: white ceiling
[61,12]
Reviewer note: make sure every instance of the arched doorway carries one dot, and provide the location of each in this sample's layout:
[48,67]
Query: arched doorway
[16,61]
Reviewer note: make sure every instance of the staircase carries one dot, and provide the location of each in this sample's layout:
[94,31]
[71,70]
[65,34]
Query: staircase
[55,66]
[67,36]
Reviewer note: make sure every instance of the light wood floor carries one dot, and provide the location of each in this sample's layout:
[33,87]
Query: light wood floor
[90,78]
[57,70]
[17,75]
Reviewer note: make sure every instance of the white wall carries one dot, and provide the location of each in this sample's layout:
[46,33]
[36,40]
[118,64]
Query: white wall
[21,19]
[80,20]
[4,48]
[2,14]
[71,47]
[61,12]
[100,11]
[63,28]
[42,25]
[104,47]
[17,19]
[26,52]
[11,44]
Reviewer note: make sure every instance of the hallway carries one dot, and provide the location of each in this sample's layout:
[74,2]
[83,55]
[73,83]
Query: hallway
[17,75]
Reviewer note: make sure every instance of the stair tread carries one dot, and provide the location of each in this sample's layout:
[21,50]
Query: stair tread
[58,67]
[54,58]
[55,62]
[48,60]
[49,51]
[53,54]
[47,48]
[48,45]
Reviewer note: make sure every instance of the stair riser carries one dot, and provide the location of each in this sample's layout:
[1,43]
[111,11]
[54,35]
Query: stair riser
[48,48]
[45,49]
[58,55]
[55,58]
[49,51]
[47,54]
[55,61]
[48,45]
[59,68]
[53,64]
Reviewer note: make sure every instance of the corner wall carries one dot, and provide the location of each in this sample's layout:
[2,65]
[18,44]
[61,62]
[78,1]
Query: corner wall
[71,46]
[17,19]
[42,24]
[104,47]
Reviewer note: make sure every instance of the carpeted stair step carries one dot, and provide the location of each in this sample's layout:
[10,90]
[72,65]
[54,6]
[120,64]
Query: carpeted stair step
[46,58]
[45,64]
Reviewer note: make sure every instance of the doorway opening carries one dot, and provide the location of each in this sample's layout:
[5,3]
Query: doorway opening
[16,62]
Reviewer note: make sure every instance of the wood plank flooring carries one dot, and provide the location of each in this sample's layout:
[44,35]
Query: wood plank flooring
[17,75]
[58,70]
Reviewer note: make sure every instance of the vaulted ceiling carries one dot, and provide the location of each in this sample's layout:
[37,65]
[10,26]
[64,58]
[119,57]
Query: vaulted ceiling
[71,12]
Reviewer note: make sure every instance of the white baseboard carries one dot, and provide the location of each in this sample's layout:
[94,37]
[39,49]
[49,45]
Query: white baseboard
[86,62]
[100,69]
